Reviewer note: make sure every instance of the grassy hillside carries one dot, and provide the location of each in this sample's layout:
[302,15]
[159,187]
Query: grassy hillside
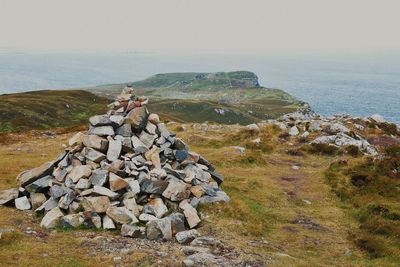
[49,108]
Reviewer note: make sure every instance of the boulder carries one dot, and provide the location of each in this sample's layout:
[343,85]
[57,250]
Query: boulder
[108,223]
[190,213]
[102,131]
[37,200]
[93,155]
[22,203]
[130,230]
[121,215]
[176,190]
[78,172]
[52,218]
[117,183]
[40,184]
[32,175]
[8,195]
[186,236]
[96,204]
[100,120]
[99,177]
[155,207]
[137,117]
[177,222]
[95,142]
[159,229]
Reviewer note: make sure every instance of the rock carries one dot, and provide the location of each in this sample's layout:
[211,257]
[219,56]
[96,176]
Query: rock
[206,241]
[8,195]
[305,134]
[37,200]
[186,236]
[78,172]
[153,155]
[121,215]
[147,139]
[153,118]
[177,222]
[32,175]
[197,191]
[131,205]
[93,155]
[96,204]
[156,207]
[378,118]
[95,142]
[99,190]
[136,143]
[22,203]
[57,191]
[130,230]
[50,204]
[102,131]
[220,197]
[154,186]
[137,117]
[253,128]
[99,177]
[189,250]
[324,139]
[76,139]
[40,184]
[83,184]
[125,130]
[147,217]
[133,185]
[176,190]
[66,200]
[117,183]
[117,119]
[108,223]
[91,219]
[205,259]
[314,126]
[217,177]
[190,214]
[100,120]
[159,229]
[294,131]
[114,150]
[71,221]
[52,218]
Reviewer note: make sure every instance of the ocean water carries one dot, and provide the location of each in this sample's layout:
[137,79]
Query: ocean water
[360,85]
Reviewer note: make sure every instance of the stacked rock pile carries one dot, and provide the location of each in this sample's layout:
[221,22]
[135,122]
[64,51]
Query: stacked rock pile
[127,170]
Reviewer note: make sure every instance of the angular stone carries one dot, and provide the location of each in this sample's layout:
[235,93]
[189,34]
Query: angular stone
[151,128]
[76,139]
[99,190]
[40,184]
[96,204]
[147,139]
[71,221]
[294,131]
[190,214]
[117,119]
[130,230]
[220,197]
[99,177]
[159,229]
[114,150]
[29,176]
[50,204]
[176,190]
[137,117]
[108,223]
[8,195]
[136,142]
[197,191]
[177,222]
[153,155]
[102,131]
[117,183]
[133,185]
[121,215]
[186,236]
[153,186]
[206,241]
[180,155]
[95,142]
[22,203]
[93,155]
[90,219]
[83,184]
[60,174]
[124,130]
[66,200]
[100,120]
[130,204]
[57,191]
[78,172]
[52,218]
[144,217]
[156,207]
[37,200]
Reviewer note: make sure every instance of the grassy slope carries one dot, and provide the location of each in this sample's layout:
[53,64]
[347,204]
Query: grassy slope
[48,108]
[267,218]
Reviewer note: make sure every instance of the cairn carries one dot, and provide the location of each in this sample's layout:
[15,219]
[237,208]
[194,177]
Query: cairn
[127,171]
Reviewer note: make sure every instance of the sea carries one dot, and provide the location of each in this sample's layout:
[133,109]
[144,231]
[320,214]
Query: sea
[357,84]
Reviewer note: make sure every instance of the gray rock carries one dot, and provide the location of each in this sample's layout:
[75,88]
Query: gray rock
[114,150]
[159,229]
[100,120]
[136,142]
[93,155]
[32,175]
[378,118]
[8,195]
[99,190]
[96,204]
[95,142]
[121,215]
[66,200]
[137,117]
[314,126]
[76,139]
[206,241]
[190,213]
[220,196]
[133,185]
[151,128]
[205,259]
[153,186]
[124,130]
[294,131]
[57,191]
[253,128]
[22,203]
[176,190]
[147,139]
[130,230]
[117,119]
[50,204]
[52,218]
[108,223]
[37,200]
[144,217]
[102,131]
[71,221]
[83,184]
[78,172]
[177,222]
[186,236]
[99,177]
[156,207]
[130,204]
[217,177]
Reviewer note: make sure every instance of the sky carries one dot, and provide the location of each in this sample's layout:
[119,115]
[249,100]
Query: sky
[231,26]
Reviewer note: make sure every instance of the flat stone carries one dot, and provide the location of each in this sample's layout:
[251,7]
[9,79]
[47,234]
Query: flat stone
[151,128]
[99,190]
[57,191]
[95,142]
[180,155]
[93,155]
[133,185]
[96,204]
[8,195]
[117,183]
[121,215]
[71,221]
[76,139]
[29,176]
[50,204]
[130,204]
[78,172]
[52,218]
[205,259]
[176,190]
[114,150]
[153,155]
[153,186]
[108,223]
[217,177]
[100,120]
[66,200]
[99,177]
[22,203]
[156,207]
[124,130]
[159,229]
[147,139]
[40,184]
[137,117]
[206,241]
[83,184]
[102,131]
[197,191]
[190,213]
[130,230]
[186,236]
[117,119]
[177,222]
[136,142]
[37,200]
[220,196]
[144,217]
[60,174]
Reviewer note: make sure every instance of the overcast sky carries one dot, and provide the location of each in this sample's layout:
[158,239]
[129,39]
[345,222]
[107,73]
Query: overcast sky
[234,26]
